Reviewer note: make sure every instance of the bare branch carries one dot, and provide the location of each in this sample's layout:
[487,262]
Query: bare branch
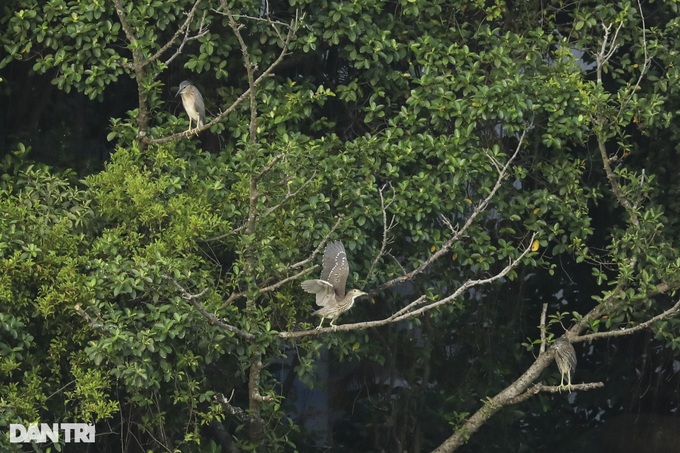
[538,388]
[267,168]
[183,29]
[321,245]
[544,312]
[645,65]
[289,196]
[607,49]
[269,211]
[419,301]
[469,284]
[245,95]
[211,318]
[130,34]
[280,283]
[237,295]
[137,66]
[629,330]
[412,310]
[481,207]
[387,226]
[614,181]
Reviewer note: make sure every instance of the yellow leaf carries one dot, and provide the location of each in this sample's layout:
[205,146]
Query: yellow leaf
[355,346]
[537,210]
[454,257]
[534,245]
[433,249]
[468,200]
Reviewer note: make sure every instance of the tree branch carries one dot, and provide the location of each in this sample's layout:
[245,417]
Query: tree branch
[541,326]
[211,318]
[202,31]
[538,388]
[481,207]
[239,413]
[137,66]
[629,330]
[245,95]
[387,226]
[263,289]
[411,310]
[96,325]
[520,390]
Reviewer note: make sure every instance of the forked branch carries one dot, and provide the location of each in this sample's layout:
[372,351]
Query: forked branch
[417,307]
[480,208]
[247,94]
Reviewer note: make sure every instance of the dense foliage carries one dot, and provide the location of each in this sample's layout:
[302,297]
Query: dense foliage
[483,162]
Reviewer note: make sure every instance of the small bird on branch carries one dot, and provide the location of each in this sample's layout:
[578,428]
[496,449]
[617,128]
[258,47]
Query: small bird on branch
[330,288]
[565,358]
[192,100]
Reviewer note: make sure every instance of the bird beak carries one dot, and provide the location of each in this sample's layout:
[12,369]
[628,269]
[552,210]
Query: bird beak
[178,93]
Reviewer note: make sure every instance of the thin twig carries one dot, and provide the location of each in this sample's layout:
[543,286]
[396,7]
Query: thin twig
[271,287]
[607,49]
[645,65]
[542,328]
[628,330]
[234,105]
[412,310]
[183,29]
[212,319]
[481,207]
[387,226]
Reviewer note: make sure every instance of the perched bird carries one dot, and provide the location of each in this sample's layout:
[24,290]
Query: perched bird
[192,102]
[565,358]
[330,288]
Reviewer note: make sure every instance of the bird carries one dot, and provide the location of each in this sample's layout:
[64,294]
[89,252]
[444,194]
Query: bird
[192,102]
[565,358]
[330,288]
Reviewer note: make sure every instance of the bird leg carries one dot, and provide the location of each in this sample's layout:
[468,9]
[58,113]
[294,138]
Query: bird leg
[569,386]
[321,323]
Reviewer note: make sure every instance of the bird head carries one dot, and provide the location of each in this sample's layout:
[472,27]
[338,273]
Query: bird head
[354,293]
[182,87]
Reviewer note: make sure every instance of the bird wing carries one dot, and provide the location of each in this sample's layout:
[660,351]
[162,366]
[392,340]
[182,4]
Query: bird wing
[324,291]
[335,267]
[567,352]
[199,105]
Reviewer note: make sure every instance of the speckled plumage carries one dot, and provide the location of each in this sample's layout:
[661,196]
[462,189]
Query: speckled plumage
[330,288]
[565,358]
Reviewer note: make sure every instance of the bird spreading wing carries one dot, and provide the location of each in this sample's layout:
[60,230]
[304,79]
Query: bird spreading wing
[330,288]
[325,293]
[335,269]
